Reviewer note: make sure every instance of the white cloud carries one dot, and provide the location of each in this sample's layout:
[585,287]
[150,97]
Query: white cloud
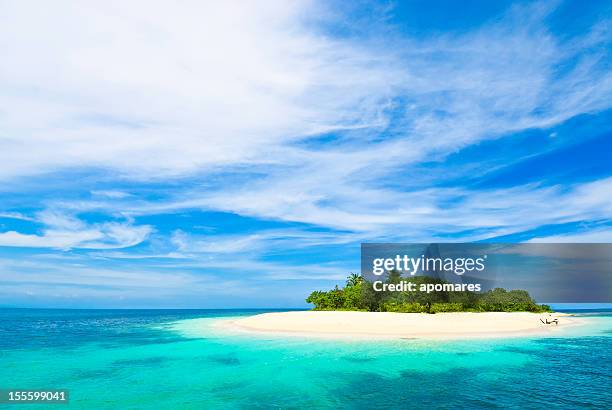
[595,236]
[361,212]
[62,279]
[174,89]
[15,215]
[57,280]
[110,194]
[189,89]
[255,243]
[63,231]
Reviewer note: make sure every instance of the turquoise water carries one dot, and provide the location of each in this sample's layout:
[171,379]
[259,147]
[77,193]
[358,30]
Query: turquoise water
[181,360]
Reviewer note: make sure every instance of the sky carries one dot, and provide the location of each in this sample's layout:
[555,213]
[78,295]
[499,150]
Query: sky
[236,154]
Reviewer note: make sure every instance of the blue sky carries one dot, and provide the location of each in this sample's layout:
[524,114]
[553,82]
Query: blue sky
[236,154]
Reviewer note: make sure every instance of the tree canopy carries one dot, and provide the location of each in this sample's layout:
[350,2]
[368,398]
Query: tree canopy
[358,294]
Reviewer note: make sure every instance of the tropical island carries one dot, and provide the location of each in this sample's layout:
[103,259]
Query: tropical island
[356,311]
[360,295]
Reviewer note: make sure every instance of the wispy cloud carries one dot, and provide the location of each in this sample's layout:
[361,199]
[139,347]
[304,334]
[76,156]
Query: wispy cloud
[432,96]
[174,90]
[110,194]
[596,236]
[63,231]
[16,215]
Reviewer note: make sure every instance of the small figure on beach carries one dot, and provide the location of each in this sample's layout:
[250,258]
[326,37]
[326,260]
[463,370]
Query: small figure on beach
[551,321]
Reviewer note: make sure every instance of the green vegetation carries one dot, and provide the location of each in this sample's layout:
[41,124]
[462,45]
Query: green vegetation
[358,294]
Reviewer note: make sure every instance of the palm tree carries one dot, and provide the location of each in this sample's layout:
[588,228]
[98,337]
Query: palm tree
[353,279]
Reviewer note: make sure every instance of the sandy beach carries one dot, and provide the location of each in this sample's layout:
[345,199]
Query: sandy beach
[404,325]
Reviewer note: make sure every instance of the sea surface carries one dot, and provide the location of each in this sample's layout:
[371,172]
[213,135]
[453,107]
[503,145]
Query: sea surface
[181,359]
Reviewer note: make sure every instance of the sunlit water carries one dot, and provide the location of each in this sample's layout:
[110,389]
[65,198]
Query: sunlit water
[182,360]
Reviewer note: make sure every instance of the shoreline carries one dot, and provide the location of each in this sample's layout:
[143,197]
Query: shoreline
[390,325]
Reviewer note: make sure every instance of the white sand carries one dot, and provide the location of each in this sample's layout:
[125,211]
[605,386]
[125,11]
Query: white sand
[404,325]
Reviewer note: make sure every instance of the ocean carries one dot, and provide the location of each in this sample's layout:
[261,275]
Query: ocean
[178,359]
